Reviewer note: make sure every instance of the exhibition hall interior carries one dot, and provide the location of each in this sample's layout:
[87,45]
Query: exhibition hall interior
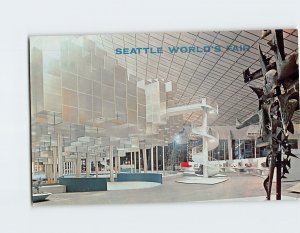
[164,117]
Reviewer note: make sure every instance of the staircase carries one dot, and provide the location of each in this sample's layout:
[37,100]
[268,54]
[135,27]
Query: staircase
[210,140]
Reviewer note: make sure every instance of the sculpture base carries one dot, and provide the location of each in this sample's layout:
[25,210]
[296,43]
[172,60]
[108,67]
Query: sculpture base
[40,197]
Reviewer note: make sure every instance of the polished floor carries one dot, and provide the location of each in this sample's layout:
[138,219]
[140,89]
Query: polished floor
[239,186]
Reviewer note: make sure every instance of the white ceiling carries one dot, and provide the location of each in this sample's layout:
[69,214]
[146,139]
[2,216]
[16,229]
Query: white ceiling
[215,75]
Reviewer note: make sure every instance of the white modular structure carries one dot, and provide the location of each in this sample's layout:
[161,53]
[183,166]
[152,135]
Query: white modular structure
[87,111]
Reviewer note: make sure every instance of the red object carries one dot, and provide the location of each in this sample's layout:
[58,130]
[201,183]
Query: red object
[184,164]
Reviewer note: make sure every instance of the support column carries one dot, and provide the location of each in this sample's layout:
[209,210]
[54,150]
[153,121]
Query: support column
[78,165]
[205,147]
[139,159]
[134,160]
[116,159]
[163,159]
[48,171]
[229,141]
[54,152]
[151,159]
[131,161]
[156,158]
[278,176]
[59,155]
[119,164]
[145,160]
[73,166]
[96,167]
[240,149]
[205,158]
[111,163]
[105,164]
[88,166]
[255,148]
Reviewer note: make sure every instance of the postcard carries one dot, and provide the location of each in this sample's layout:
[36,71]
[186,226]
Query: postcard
[164,117]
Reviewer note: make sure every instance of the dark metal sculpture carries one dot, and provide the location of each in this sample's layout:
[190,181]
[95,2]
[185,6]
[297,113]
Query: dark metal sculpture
[278,100]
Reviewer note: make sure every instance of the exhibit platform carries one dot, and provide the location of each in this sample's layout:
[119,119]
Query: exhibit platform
[201,180]
[130,185]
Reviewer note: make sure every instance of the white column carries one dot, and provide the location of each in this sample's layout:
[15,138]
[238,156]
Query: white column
[134,160]
[88,166]
[205,157]
[78,165]
[224,147]
[151,159]
[59,155]
[156,159]
[163,159]
[131,162]
[54,153]
[119,164]
[205,148]
[74,166]
[49,173]
[145,160]
[229,141]
[111,163]
[116,166]
[96,167]
[139,159]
